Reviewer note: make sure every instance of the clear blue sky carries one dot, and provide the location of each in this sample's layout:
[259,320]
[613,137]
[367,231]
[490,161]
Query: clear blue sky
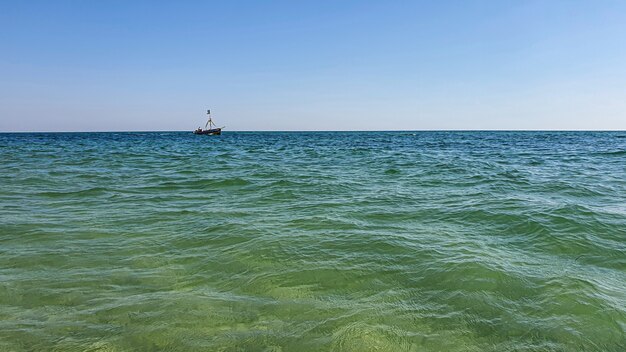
[308,65]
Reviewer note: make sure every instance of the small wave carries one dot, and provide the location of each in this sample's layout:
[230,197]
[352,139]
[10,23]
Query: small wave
[392,171]
[201,184]
[96,191]
[613,153]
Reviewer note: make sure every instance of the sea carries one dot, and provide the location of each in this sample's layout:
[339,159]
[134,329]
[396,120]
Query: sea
[313,241]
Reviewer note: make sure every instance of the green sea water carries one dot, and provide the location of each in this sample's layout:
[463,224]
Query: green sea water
[395,241]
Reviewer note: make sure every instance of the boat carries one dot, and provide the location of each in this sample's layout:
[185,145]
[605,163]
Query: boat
[210,129]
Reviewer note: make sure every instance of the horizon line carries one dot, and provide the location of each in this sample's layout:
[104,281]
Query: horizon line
[314,131]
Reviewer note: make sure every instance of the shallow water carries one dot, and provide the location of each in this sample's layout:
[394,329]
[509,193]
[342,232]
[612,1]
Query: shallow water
[398,241]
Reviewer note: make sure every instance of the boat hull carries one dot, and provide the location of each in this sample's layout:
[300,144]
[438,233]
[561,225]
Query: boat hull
[211,132]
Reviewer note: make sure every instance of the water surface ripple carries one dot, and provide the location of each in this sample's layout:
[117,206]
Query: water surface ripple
[396,241]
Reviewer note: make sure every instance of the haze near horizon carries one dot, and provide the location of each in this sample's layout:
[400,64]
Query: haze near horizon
[280,65]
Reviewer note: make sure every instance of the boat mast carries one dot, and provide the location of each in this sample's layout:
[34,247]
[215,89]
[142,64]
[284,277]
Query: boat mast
[209,123]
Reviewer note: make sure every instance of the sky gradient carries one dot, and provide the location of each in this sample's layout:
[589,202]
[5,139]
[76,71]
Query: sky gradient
[312,65]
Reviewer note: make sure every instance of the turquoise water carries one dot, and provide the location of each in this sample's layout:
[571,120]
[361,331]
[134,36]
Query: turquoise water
[399,241]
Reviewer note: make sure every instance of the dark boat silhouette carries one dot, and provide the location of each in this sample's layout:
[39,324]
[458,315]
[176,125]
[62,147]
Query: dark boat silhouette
[209,128]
